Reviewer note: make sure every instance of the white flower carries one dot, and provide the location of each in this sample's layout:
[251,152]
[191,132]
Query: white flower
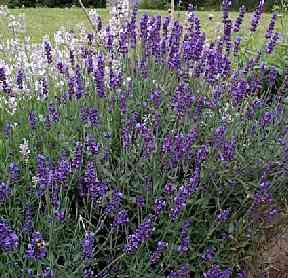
[24,149]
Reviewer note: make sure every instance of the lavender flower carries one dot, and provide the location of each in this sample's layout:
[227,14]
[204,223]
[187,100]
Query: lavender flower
[237,45]
[47,50]
[148,140]
[79,86]
[8,239]
[227,150]
[60,215]
[184,237]
[182,272]
[32,118]
[155,97]
[5,192]
[36,249]
[77,159]
[159,206]
[99,75]
[47,273]
[272,76]
[169,188]
[271,27]
[208,254]
[223,215]
[54,115]
[88,245]
[20,79]
[242,274]
[183,195]
[92,145]
[226,4]
[257,16]
[7,130]
[88,273]
[140,201]
[115,202]
[239,19]
[141,235]
[121,218]
[14,172]
[215,272]
[27,226]
[96,189]
[89,116]
[266,119]
[156,255]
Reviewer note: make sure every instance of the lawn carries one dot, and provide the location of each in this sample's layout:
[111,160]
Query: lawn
[43,21]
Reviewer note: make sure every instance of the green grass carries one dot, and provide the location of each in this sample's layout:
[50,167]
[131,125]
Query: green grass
[42,21]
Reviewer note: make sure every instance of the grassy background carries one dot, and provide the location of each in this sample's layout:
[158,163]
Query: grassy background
[42,21]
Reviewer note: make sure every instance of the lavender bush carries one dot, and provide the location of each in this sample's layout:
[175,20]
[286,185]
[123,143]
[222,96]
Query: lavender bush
[141,149]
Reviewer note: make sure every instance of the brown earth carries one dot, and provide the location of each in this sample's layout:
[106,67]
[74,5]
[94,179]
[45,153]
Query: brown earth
[271,261]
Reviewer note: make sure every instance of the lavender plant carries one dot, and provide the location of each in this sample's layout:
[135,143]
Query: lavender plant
[141,149]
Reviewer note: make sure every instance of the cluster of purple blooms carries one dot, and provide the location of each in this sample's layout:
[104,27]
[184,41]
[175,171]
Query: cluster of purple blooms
[81,172]
[5,192]
[215,271]
[9,240]
[88,245]
[156,255]
[184,237]
[141,235]
[36,248]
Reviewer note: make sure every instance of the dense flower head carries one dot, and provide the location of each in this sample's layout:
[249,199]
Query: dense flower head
[178,147]
[148,138]
[121,218]
[7,129]
[223,215]
[208,254]
[183,195]
[47,273]
[36,249]
[271,26]
[156,255]
[266,118]
[32,118]
[5,192]
[184,237]
[140,201]
[27,226]
[95,188]
[239,19]
[216,272]
[159,206]
[141,235]
[88,245]
[182,272]
[14,172]
[48,51]
[115,202]
[257,16]
[8,238]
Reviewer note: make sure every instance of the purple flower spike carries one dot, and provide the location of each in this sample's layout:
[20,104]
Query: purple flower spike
[88,245]
[36,249]
[141,235]
[5,192]
[223,215]
[8,239]
[156,255]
